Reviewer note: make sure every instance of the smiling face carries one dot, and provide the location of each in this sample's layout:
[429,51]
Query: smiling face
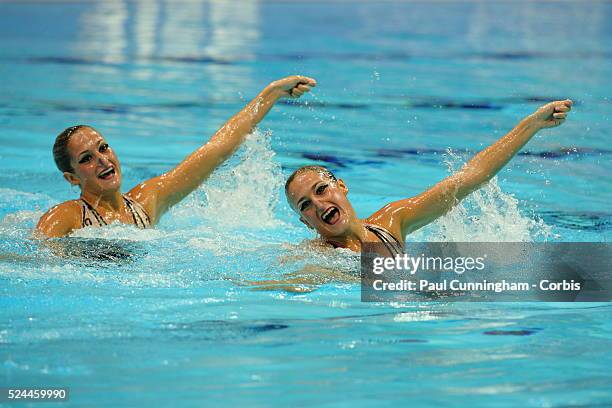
[95,167]
[321,202]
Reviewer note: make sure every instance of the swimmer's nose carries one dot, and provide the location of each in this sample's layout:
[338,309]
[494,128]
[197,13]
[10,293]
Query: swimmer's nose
[103,160]
[319,205]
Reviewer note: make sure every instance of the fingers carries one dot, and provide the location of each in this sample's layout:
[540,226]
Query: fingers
[293,86]
[554,122]
[555,113]
[299,90]
[563,106]
[306,80]
[558,106]
[295,93]
[560,109]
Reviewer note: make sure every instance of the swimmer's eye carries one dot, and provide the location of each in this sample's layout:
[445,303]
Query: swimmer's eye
[103,147]
[321,189]
[304,205]
[85,158]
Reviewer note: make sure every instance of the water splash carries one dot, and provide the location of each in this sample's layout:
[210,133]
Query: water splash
[119,231]
[19,224]
[234,210]
[242,193]
[487,215]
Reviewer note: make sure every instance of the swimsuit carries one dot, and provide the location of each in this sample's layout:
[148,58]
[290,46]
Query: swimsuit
[391,243]
[91,217]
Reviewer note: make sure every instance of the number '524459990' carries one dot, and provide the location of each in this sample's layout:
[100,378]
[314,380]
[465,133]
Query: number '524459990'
[34,394]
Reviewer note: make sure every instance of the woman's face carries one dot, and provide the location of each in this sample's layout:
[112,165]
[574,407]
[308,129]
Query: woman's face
[96,168]
[321,202]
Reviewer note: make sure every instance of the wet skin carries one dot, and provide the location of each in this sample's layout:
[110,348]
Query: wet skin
[96,169]
[322,203]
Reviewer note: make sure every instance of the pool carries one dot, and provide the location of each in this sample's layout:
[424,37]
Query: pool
[161,321]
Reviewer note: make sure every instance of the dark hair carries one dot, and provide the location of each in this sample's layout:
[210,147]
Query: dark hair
[60,148]
[324,171]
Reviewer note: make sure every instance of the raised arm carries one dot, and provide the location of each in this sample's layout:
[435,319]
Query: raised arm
[416,212]
[160,193]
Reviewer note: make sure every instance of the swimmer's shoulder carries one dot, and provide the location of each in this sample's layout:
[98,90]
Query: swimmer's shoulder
[387,218]
[60,220]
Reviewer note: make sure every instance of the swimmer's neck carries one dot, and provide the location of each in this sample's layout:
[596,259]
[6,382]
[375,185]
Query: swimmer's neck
[354,237]
[111,201]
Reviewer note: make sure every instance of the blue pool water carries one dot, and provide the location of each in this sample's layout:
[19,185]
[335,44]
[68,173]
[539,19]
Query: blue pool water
[165,324]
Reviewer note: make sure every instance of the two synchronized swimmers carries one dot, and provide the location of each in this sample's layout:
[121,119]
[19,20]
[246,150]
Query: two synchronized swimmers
[314,193]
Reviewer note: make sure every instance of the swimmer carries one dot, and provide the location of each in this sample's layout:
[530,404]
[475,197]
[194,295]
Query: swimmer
[320,199]
[86,160]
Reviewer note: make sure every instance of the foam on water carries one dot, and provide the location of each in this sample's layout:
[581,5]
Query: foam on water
[19,223]
[118,230]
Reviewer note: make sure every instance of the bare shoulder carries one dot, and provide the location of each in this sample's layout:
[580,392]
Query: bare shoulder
[61,219]
[391,215]
[67,208]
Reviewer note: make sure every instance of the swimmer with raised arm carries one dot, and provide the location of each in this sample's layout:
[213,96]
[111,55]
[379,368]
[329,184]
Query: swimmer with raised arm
[321,200]
[86,160]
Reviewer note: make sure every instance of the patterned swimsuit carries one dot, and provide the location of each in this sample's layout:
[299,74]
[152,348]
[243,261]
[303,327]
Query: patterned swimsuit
[391,243]
[91,217]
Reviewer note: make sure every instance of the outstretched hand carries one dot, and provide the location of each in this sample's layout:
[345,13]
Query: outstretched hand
[292,86]
[552,114]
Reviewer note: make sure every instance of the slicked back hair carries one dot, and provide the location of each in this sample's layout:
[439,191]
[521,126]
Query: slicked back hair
[324,171]
[60,148]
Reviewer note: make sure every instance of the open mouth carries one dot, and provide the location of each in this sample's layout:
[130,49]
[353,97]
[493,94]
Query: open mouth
[107,174]
[331,215]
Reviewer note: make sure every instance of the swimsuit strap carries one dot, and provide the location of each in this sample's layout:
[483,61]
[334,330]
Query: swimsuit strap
[391,243]
[140,216]
[91,217]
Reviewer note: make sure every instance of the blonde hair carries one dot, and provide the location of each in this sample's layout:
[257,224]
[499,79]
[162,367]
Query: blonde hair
[324,171]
